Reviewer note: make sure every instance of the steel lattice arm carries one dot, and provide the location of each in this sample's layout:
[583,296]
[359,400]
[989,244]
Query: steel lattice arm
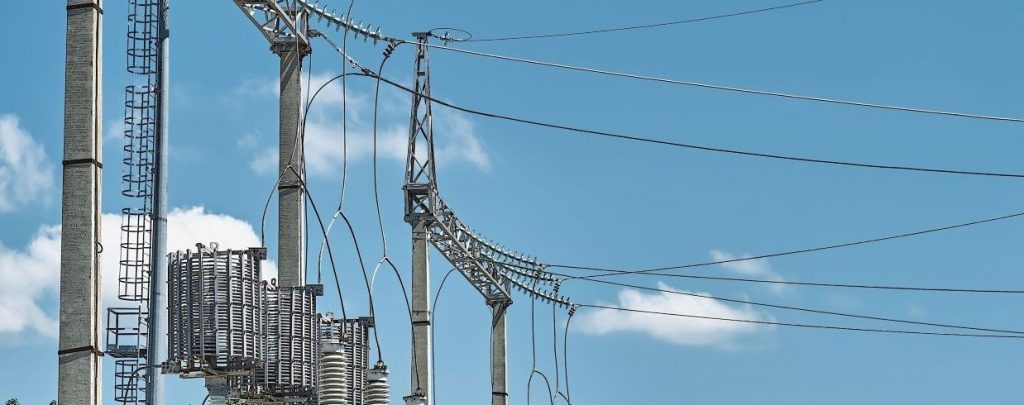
[274,22]
[345,22]
[491,270]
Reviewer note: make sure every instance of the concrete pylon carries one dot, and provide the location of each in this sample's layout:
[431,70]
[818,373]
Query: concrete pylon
[421,376]
[291,197]
[79,373]
[499,365]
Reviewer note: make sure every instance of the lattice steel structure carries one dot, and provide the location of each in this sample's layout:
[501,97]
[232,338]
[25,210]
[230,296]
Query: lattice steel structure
[129,327]
[491,269]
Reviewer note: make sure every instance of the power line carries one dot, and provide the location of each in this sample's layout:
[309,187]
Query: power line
[734,89]
[833,285]
[700,147]
[644,26]
[790,252]
[804,325]
[808,310]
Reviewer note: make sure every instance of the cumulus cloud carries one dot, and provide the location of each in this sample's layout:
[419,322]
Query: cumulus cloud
[26,175]
[456,138]
[27,277]
[677,330]
[752,268]
[30,277]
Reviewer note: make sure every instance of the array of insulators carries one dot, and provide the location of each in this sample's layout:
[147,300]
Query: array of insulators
[529,287]
[224,321]
[344,22]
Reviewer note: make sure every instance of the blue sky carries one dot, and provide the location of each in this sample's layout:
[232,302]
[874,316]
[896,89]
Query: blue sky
[566,198]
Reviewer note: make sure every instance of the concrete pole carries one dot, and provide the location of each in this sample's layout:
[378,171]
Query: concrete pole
[421,343]
[79,373]
[499,365]
[291,198]
[156,344]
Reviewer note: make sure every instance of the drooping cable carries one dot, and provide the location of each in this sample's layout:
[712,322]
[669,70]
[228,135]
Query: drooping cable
[830,285]
[643,26]
[533,354]
[323,230]
[737,152]
[565,353]
[380,219]
[554,348]
[792,96]
[344,124]
[803,309]
[303,114]
[433,316]
[903,235]
[804,325]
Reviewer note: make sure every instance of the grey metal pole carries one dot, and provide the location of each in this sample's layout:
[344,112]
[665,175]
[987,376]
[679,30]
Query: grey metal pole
[79,370]
[291,197]
[421,377]
[156,345]
[499,365]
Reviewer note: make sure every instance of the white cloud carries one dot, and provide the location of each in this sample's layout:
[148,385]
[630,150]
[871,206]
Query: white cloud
[26,175]
[31,276]
[115,131]
[463,143]
[753,268]
[677,330]
[257,88]
[28,277]
[456,139]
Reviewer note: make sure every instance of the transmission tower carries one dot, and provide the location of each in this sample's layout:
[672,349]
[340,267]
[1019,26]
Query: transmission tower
[491,269]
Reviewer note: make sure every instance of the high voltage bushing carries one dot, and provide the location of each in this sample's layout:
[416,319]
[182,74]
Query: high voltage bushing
[378,391]
[216,312]
[334,381]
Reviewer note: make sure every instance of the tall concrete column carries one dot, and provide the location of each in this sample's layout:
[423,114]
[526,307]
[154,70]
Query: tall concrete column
[79,373]
[291,197]
[421,343]
[499,366]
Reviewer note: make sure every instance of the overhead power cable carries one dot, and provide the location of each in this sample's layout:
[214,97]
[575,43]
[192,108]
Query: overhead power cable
[733,88]
[807,310]
[833,285]
[645,26]
[627,137]
[804,325]
[368,73]
[620,272]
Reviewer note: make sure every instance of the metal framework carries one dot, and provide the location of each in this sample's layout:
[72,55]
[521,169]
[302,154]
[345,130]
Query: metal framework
[491,269]
[275,22]
[128,328]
